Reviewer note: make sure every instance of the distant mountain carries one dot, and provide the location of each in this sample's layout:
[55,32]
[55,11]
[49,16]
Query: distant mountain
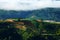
[4,14]
[45,13]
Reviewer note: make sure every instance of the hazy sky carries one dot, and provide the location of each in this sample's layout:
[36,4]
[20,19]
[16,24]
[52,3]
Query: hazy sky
[27,4]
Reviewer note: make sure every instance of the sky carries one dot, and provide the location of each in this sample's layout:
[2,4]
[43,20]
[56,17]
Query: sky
[28,4]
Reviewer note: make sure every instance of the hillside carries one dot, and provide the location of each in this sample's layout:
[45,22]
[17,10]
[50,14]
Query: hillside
[28,30]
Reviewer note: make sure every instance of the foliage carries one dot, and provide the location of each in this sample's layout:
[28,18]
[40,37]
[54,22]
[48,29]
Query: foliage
[39,30]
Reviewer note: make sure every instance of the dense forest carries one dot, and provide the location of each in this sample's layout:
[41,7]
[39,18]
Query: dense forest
[28,30]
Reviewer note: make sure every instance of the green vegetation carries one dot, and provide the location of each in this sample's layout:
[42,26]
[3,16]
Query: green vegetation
[33,30]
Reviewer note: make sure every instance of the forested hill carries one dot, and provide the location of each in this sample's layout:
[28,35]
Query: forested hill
[45,13]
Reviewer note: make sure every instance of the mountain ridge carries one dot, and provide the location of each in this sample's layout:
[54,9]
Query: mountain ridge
[45,13]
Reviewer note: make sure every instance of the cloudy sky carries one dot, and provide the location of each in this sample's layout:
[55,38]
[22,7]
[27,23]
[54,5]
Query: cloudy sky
[27,4]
